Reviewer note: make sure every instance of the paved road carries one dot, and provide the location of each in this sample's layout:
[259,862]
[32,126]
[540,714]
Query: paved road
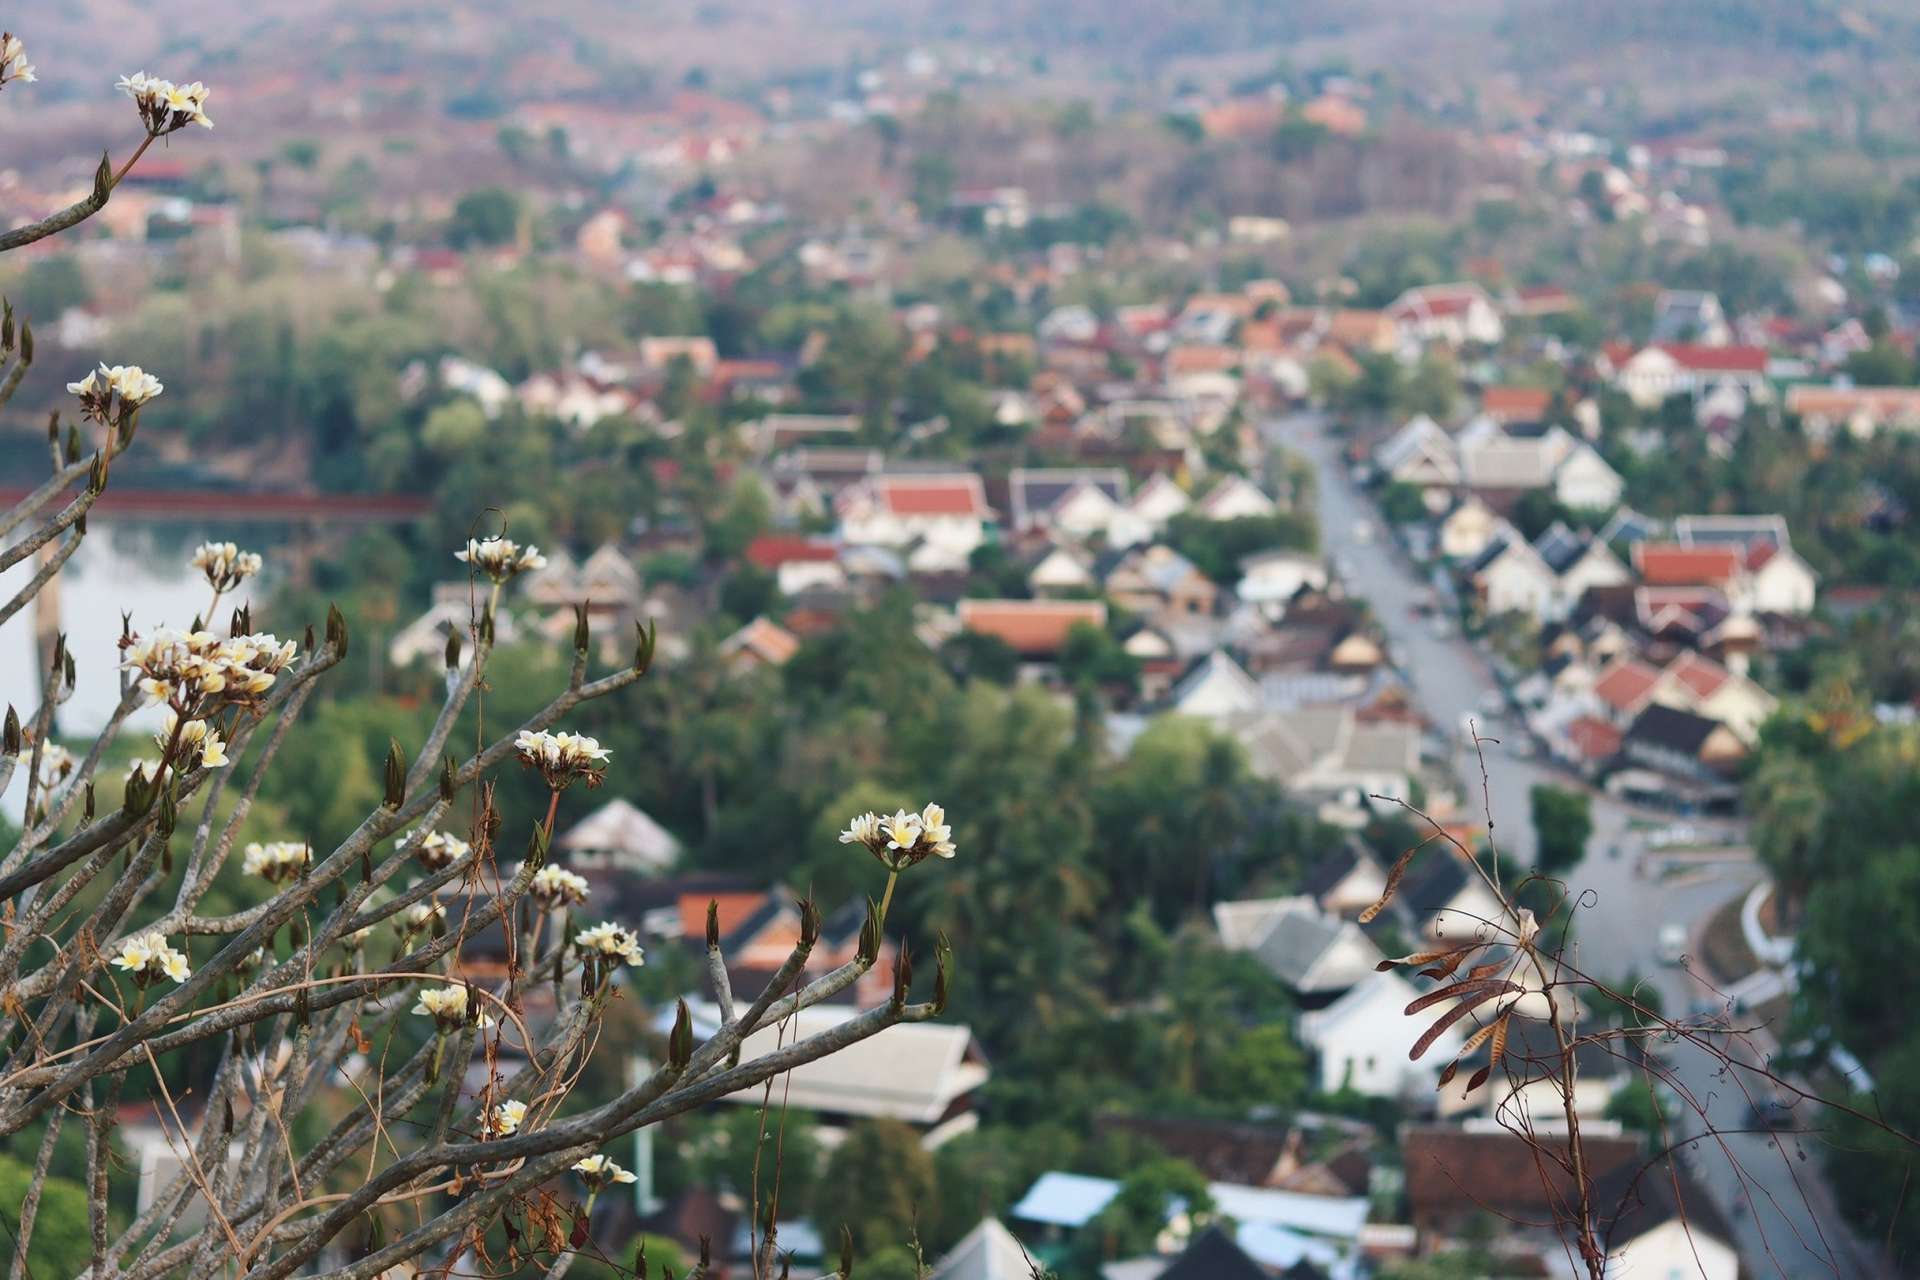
[1781,1212]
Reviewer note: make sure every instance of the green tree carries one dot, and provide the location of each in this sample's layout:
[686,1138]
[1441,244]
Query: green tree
[1148,1196]
[54,282]
[876,1184]
[1562,823]
[62,1242]
[1401,503]
[487,216]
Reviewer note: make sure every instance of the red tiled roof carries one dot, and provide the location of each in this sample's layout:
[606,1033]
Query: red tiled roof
[1759,552]
[1594,738]
[1668,565]
[946,496]
[1033,628]
[1703,359]
[1524,404]
[766,640]
[1626,684]
[770,551]
[1701,675]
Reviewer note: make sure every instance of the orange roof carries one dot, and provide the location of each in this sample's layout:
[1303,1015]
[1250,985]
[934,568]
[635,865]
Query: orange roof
[770,551]
[1516,404]
[1626,684]
[1201,359]
[934,496]
[765,639]
[1033,628]
[1701,675]
[1667,565]
[734,908]
[1594,738]
[1706,359]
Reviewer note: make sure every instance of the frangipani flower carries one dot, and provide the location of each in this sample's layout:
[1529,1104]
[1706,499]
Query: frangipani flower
[224,565]
[447,1006]
[147,959]
[277,860]
[165,106]
[13,60]
[184,669]
[904,838]
[610,941]
[436,850]
[56,765]
[500,558]
[197,741]
[111,392]
[562,757]
[558,887]
[600,1171]
[504,1119]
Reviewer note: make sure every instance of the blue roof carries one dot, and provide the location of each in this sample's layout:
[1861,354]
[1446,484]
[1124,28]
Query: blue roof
[1065,1199]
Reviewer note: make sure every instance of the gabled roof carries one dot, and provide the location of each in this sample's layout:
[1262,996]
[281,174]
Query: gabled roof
[1213,1256]
[915,1071]
[1674,565]
[1626,684]
[1703,359]
[1065,1199]
[1593,738]
[621,828]
[988,1252]
[1672,730]
[1334,866]
[935,495]
[1033,628]
[1301,946]
[1516,404]
[1460,1171]
[1032,492]
[770,551]
[1737,531]
[1560,547]
[1217,666]
[1231,489]
[1631,1200]
[765,639]
[1701,675]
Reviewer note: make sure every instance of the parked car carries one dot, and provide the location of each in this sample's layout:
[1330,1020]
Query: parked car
[1673,943]
[1768,1111]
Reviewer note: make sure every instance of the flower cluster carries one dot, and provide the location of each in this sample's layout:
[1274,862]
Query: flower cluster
[558,887]
[903,839]
[501,558]
[166,106]
[148,958]
[561,758]
[111,392]
[447,1006]
[277,860]
[56,765]
[504,1119]
[182,667]
[224,565]
[610,942]
[198,741]
[599,1171]
[436,850]
[13,60]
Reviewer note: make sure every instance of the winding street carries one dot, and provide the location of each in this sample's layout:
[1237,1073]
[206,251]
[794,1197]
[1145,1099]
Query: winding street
[1767,1185]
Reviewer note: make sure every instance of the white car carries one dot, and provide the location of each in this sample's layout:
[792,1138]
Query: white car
[1362,532]
[1673,943]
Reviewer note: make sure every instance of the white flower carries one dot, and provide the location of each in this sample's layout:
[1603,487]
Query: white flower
[278,860]
[500,558]
[56,765]
[562,757]
[224,565]
[181,668]
[111,392]
[197,738]
[598,1171]
[864,829]
[447,1006]
[437,850]
[147,958]
[504,1118]
[165,106]
[556,886]
[13,60]
[903,839]
[610,940]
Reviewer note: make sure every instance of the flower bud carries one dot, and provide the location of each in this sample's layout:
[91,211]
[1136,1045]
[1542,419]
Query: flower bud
[680,1041]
